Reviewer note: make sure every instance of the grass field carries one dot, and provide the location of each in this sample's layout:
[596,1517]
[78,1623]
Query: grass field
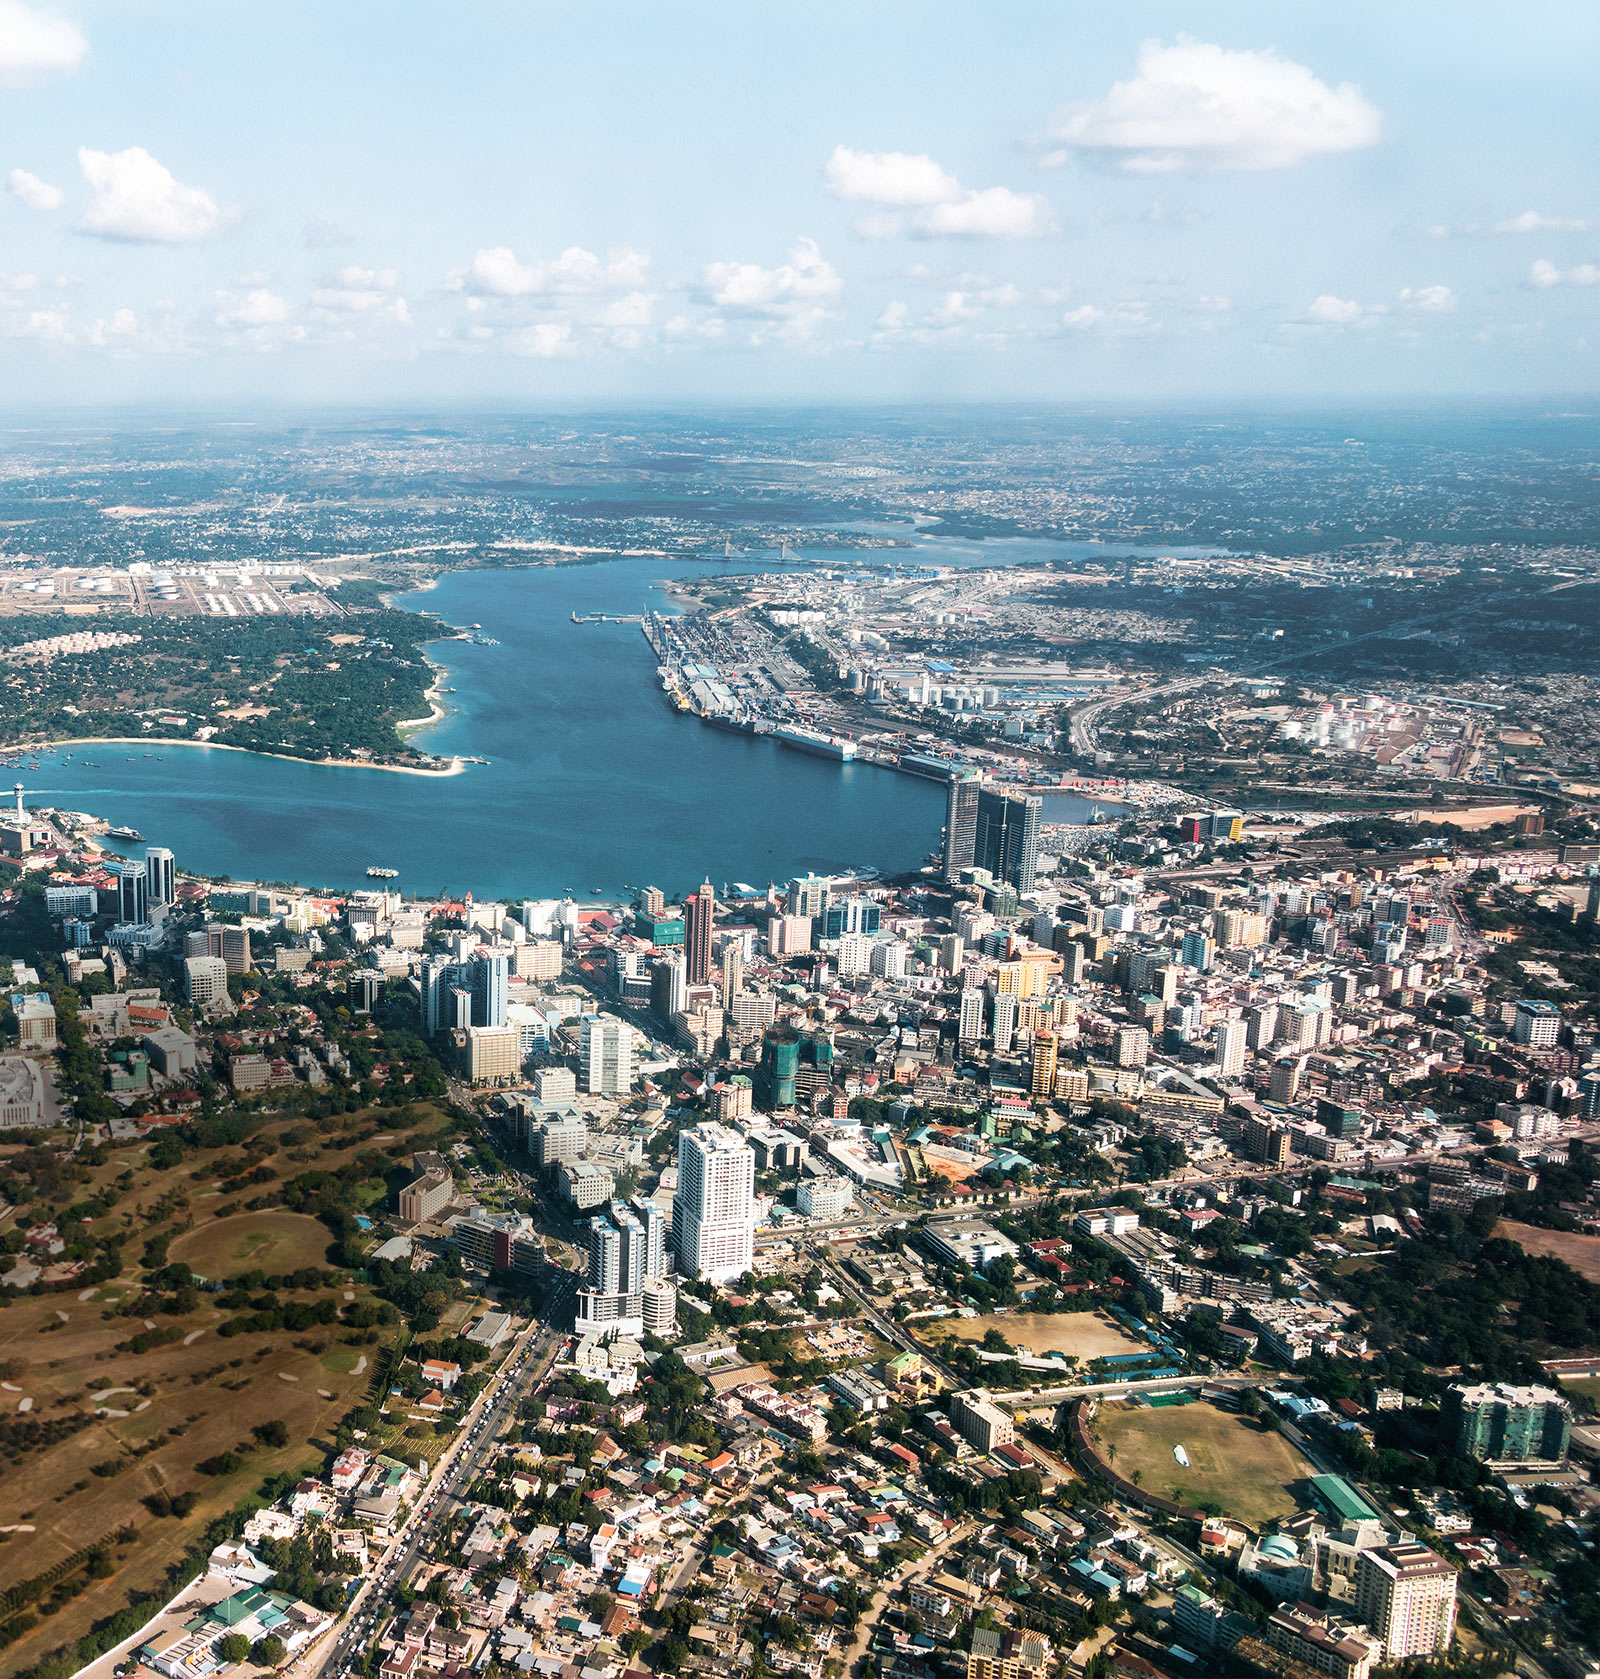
[1248,1472]
[1081,1335]
[274,1242]
[1588,1386]
[1581,1252]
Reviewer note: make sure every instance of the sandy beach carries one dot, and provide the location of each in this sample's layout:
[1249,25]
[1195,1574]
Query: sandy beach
[456,766]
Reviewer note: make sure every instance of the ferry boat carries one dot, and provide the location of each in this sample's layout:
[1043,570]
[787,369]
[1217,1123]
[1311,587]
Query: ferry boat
[124,834]
[814,741]
[382,874]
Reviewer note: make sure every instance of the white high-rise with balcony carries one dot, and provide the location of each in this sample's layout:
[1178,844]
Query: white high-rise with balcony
[713,1211]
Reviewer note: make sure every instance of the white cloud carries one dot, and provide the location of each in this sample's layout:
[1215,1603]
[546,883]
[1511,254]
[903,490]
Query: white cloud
[889,178]
[362,291]
[545,341]
[1333,311]
[1200,106]
[115,331]
[137,199]
[32,41]
[256,308]
[994,213]
[922,200]
[1545,274]
[1085,315]
[18,282]
[1429,300]
[634,310]
[894,317]
[496,272]
[1213,305]
[44,326]
[938,205]
[804,281]
[30,190]
[954,306]
[1530,221]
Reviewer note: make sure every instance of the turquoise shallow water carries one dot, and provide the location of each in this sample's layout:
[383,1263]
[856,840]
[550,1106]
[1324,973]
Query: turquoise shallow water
[594,783]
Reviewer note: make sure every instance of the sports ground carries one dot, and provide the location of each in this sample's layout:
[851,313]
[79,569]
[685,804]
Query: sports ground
[1247,1471]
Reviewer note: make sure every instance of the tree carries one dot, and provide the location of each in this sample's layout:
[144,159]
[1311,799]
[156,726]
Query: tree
[234,1648]
[268,1651]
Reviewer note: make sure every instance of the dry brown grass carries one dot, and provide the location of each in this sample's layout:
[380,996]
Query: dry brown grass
[1081,1335]
[1581,1252]
[198,1399]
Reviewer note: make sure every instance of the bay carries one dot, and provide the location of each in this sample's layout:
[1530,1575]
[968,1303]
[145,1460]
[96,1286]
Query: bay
[594,784]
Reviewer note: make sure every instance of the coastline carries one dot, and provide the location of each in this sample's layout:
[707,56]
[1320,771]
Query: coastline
[456,766]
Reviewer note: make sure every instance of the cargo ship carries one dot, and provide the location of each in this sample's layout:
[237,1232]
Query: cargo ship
[675,696]
[812,740]
[726,720]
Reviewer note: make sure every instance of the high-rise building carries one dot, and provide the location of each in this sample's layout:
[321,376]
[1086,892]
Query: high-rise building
[205,979]
[1284,1085]
[669,988]
[732,971]
[1499,1424]
[780,1065]
[161,877]
[558,1141]
[1196,951]
[1267,1142]
[221,938]
[437,976]
[1005,1023]
[699,909]
[855,955]
[1045,1051]
[608,1052]
[808,896]
[1536,1025]
[1233,1046]
[961,824]
[605,1256]
[1132,1046]
[490,976]
[970,1027]
[713,1211]
[851,915]
[1007,840]
[1262,1021]
[1407,1595]
[132,892]
[788,935]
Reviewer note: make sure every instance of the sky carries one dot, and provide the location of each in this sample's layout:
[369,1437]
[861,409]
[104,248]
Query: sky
[208,201]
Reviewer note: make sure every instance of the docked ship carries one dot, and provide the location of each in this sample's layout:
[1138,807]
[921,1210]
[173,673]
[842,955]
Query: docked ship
[670,679]
[813,740]
[727,720]
[124,834]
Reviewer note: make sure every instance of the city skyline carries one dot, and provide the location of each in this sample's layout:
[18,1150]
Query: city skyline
[603,205]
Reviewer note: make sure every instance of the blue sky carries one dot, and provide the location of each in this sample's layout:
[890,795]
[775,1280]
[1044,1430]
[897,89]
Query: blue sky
[349,201]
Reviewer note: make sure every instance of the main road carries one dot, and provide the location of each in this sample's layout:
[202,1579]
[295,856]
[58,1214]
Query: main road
[530,1357]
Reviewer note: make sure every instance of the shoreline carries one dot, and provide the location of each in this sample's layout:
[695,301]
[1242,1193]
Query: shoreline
[457,766]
